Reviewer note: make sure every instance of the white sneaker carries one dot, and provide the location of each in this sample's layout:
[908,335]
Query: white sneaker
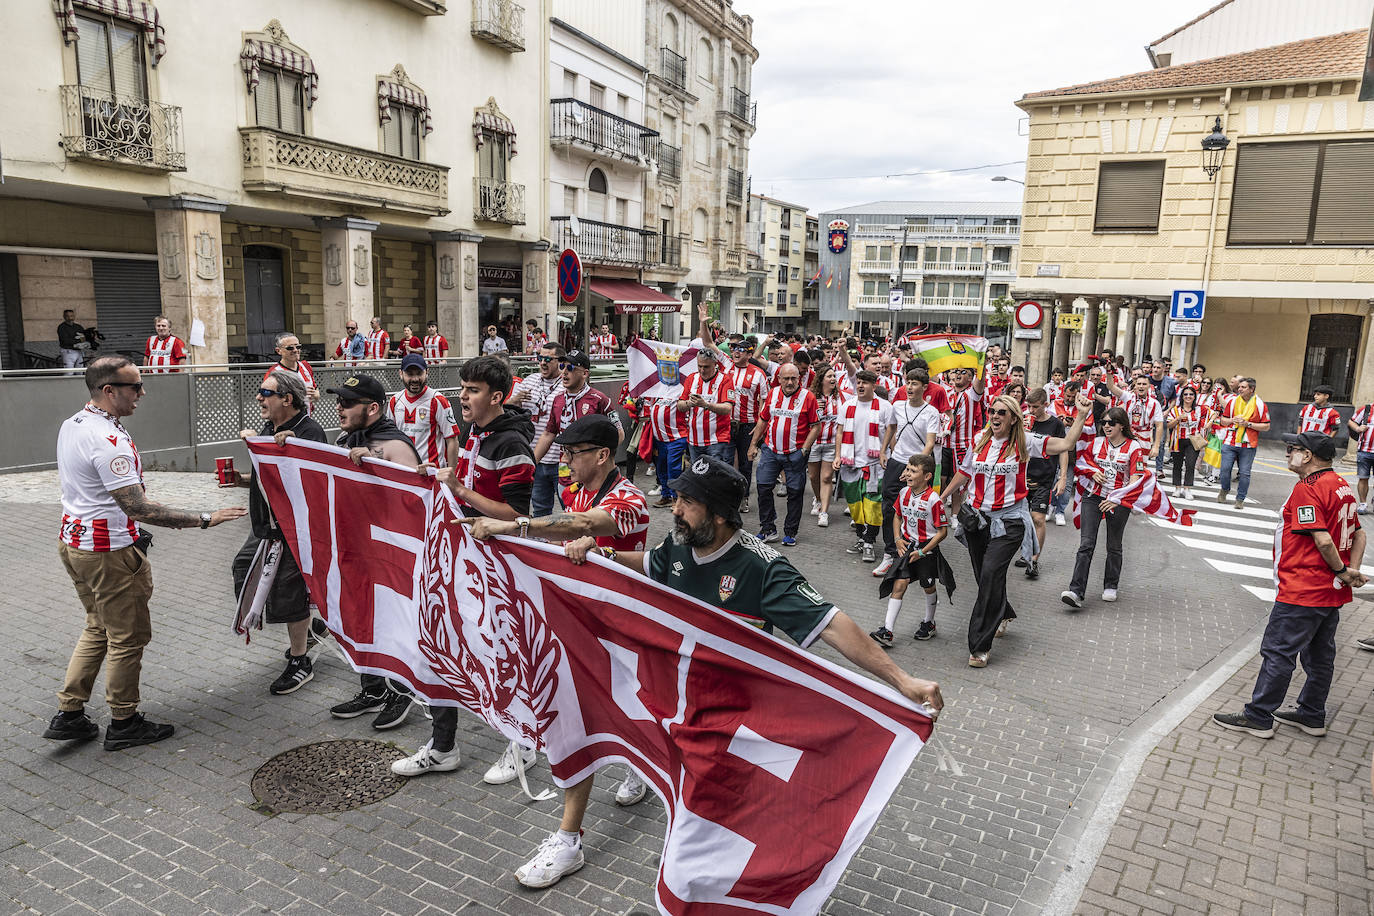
[744,507]
[504,770]
[823,520]
[427,760]
[883,566]
[552,860]
[1178,493]
[656,491]
[1059,519]
[846,510]
[631,790]
[955,529]
[1362,509]
[815,506]
[1188,495]
[1109,594]
[1071,598]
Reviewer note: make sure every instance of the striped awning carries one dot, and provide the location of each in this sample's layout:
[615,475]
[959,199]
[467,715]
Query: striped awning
[140,12]
[256,52]
[389,91]
[484,120]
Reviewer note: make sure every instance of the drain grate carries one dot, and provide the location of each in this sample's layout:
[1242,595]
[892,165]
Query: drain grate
[328,776]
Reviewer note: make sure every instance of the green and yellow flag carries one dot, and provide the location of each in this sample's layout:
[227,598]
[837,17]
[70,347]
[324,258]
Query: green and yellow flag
[951,351]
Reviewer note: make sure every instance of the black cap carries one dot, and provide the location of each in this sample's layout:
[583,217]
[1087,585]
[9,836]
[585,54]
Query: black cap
[578,358]
[413,361]
[1323,447]
[713,483]
[593,429]
[746,344]
[360,388]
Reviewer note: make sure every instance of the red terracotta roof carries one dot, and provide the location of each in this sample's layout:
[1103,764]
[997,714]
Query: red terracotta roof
[1312,58]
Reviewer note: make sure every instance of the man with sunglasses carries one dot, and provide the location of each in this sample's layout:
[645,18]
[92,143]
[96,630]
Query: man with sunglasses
[353,346]
[534,394]
[289,361]
[282,404]
[577,399]
[106,555]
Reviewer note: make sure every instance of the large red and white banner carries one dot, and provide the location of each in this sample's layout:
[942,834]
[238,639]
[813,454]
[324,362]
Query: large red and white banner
[773,764]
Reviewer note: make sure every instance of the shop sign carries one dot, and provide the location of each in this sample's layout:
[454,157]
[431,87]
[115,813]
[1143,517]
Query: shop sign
[498,277]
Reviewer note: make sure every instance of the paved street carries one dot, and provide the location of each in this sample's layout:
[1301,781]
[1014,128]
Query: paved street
[1087,734]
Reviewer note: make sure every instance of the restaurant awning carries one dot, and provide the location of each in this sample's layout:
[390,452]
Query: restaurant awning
[632,298]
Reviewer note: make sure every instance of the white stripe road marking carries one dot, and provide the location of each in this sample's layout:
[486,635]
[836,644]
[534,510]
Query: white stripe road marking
[1263,594]
[1252,536]
[1243,521]
[1251,553]
[1241,569]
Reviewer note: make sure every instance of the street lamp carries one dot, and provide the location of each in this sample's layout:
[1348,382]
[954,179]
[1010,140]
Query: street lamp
[1213,149]
[1005,178]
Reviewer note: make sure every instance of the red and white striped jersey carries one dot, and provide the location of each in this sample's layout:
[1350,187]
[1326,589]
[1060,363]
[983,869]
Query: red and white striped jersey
[967,419]
[1189,424]
[625,503]
[427,420]
[378,343]
[827,415]
[666,422]
[436,346]
[161,354]
[95,455]
[751,387]
[922,514]
[789,420]
[534,340]
[997,478]
[1143,413]
[567,407]
[1314,419]
[603,344]
[1117,463]
[1252,411]
[539,395]
[303,372]
[1365,416]
[703,426]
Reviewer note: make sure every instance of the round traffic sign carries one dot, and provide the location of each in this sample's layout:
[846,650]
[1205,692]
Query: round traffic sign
[569,275]
[1028,314]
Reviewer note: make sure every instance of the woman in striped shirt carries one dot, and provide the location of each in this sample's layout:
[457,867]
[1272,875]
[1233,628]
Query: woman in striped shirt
[818,463]
[1186,418]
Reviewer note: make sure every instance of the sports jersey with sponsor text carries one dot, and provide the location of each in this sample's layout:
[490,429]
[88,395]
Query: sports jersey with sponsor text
[624,502]
[95,456]
[427,420]
[1319,502]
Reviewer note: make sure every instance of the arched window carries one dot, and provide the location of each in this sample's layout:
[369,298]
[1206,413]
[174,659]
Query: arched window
[670,32]
[596,195]
[705,60]
[703,144]
[734,74]
[596,182]
[701,224]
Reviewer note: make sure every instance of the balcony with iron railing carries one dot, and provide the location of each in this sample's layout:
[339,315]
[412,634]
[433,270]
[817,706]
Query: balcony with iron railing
[102,127]
[579,124]
[734,184]
[498,201]
[669,162]
[499,22]
[671,252]
[276,161]
[606,243]
[672,68]
[737,104]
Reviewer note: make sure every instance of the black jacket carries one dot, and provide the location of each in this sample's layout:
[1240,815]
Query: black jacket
[259,513]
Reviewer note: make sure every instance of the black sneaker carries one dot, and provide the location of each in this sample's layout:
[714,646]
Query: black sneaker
[1033,570]
[136,730]
[926,630]
[857,547]
[72,728]
[1291,717]
[1240,722]
[364,702]
[1021,563]
[394,712]
[882,636]
[298,672]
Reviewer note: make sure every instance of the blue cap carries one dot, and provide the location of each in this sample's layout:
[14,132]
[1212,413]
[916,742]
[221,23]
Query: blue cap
[413,361]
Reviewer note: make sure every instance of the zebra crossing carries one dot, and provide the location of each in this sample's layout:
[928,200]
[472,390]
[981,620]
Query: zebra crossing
[1235,542]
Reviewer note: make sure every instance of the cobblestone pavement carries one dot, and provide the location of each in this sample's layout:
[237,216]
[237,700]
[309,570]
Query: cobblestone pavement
[992,818]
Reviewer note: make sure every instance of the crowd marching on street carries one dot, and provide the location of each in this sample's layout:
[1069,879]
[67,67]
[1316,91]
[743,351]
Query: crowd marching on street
[927,440]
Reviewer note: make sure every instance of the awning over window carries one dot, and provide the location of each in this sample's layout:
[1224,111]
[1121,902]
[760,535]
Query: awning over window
[389,91]
[140,12]
[489,118]
[632,298]
[256,52]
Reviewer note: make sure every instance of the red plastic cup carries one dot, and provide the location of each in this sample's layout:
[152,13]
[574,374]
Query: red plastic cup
[224,469]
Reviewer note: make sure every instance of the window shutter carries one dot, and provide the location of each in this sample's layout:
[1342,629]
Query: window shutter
[265,100]
[127,62]
[1128,196]
[92,55]
[1345,208]
[1272,200]
[292,102]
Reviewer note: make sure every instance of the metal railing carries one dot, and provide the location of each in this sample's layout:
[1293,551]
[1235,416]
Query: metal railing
[499,22]
[737,103]
[948,303]
[734,184]
[574,121]
[128,131]
[672,68]
[953,267]
[497,201]
[669,162]
[606,242]
[672,248]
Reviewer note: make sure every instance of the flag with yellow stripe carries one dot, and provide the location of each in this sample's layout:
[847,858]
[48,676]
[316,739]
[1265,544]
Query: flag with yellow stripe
[943,352]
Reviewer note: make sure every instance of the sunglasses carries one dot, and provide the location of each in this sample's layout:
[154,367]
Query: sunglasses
[1111,423]
[350,403]
[351,327]
[268,392]
[566,366]
[137,386]
[297,347]
[547,359]
[583,451]
[1295,448]
[1000,412]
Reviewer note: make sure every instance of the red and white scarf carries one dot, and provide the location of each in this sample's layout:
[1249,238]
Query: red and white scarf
[852,447]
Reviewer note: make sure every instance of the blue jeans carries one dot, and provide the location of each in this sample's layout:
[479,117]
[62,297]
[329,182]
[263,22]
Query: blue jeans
[545,489]
[668,464]
[1242,458]
[770,466]
[1295,632]
[1061,502]
[719,450]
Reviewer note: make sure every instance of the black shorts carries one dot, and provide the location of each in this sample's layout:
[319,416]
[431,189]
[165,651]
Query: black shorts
[1040,496]
[289,600]
[925,570]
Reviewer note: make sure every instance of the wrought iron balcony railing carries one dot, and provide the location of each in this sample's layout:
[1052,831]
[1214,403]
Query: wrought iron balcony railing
[497,201]
[734,184]
[672,248]
[602,132]
[500,22]
[606,243]
[669,162]
[737,102]
[672,68]
[100,126]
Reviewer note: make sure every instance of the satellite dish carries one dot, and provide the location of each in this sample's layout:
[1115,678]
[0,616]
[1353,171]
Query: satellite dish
[577,117]
[574,225]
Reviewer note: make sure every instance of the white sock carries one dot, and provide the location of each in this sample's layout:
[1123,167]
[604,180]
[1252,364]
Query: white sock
[569,838]
[932,600]
[894,607]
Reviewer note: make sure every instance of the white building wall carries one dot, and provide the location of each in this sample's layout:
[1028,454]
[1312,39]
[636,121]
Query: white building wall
[1245,25]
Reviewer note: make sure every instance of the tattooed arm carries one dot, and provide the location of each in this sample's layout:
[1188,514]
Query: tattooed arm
[564,526]
[134,503]
[387,450]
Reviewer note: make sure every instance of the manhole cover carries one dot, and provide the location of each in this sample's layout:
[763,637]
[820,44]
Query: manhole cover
[329,776]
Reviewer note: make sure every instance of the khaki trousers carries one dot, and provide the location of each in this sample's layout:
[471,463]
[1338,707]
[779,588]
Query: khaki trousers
[114,587]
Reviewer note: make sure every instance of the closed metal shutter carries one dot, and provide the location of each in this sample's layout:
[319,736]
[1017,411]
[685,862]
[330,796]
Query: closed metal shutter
[1272,201]
[127,302]
[1128,196]
[6,360]
[1345,209]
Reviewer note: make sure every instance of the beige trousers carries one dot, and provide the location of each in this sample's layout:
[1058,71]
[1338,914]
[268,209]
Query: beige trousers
[114,587]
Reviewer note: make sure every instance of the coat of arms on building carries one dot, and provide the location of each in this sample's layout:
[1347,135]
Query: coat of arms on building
[171,255]
[446,280]
[839,235]
[333,265]
[207,263]
[360,259]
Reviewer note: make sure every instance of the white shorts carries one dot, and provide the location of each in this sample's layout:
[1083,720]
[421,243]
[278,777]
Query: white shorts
[822,453]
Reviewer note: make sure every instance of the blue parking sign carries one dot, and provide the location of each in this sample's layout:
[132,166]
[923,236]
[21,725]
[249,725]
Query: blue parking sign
[1188,305]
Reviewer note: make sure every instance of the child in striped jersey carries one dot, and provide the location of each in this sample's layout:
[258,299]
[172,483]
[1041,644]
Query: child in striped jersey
[922,528]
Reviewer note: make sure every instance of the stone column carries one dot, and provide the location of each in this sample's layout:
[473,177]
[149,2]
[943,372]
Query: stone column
[1063,337]
[537,296]
[455,260]
[346,244]
[1158,321]
[1113,324]
[190,252]
[672,320]
[728,317]
[1090,327]
[1128,345]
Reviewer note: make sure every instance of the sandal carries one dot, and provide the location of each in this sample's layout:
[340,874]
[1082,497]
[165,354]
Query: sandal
[978,660]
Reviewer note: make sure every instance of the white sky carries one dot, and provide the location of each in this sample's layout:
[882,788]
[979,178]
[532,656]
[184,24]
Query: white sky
[874,87]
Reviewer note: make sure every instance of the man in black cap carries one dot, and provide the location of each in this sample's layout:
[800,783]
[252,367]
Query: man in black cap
[369,433]
[708,556]
[1317,561]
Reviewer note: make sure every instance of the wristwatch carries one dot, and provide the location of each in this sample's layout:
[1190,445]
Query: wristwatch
[204,520]
[524,523]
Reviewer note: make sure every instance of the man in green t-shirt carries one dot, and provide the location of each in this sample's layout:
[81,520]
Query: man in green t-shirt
[711,558]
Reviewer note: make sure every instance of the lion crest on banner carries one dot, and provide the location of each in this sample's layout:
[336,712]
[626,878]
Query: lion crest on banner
[668,368]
